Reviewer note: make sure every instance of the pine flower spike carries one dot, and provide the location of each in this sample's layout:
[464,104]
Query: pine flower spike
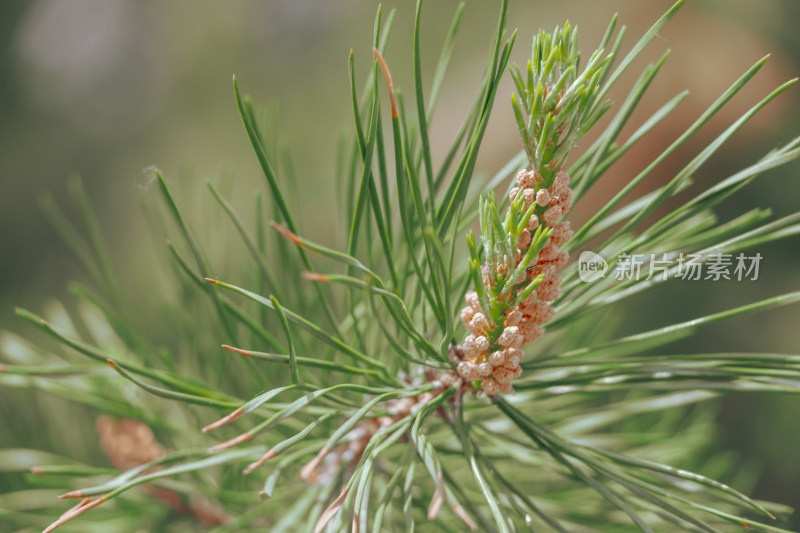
[518,272]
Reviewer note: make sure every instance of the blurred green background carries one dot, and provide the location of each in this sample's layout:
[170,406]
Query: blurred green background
[106,88]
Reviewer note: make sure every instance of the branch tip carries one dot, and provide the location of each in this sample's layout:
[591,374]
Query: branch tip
[330,511]
[308,469]
[244,437]
[227,419]
[388,76]
[264,458]
[314,276]
[79,509]
[283,230]
[236,350]
[438,498]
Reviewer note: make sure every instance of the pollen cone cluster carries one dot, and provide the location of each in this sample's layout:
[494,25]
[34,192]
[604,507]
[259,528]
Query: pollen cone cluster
[129,444]
[492,352]
[323,469]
